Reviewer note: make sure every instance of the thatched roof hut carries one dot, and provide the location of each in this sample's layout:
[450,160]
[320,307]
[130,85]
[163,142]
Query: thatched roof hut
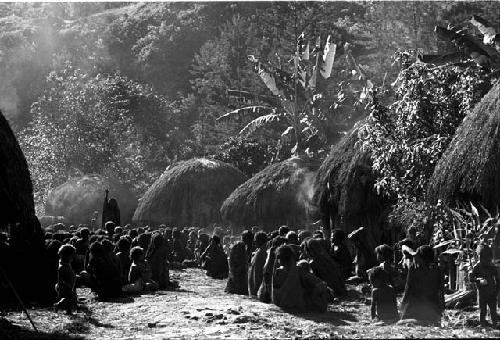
[16,189]
[78,198]
[189,193]
[351,200]
[278,195]
[469,170]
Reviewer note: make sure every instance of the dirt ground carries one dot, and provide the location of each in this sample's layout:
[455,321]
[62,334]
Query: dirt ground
[201,309]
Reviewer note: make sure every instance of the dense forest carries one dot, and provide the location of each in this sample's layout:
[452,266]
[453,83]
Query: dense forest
[124,90]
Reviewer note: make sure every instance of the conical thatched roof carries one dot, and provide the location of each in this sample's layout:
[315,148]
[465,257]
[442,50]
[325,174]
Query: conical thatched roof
[16,189]
[353,201]
[278,195]
[189,193]
[469,170]
[79,197]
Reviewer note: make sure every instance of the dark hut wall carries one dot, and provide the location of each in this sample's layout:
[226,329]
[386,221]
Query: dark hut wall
[16,189]
[469,170]
[351,202]
[189,193]
[277,195]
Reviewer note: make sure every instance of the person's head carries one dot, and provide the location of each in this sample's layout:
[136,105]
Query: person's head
[303,266]
[384,253]
[484,253]
[260,239]
[113,204]
[176,233]
[107,245]
[216,240]
[204,238]
[133,233]
[247,237]
[292,238]
[424,255]
[110,227]
[157,240]
[118,231]
[278,241]
[284,255]
[96,249]
[66,253]
[123,245]
[283,230]
[303,235]
[338,236]
[318,234]
[412,232]
[378,277]
[85,233]
[137,254]
[193,235]
[53,247]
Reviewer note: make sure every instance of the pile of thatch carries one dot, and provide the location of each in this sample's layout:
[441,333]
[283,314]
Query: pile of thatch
[469,170]
[280,194]
[16,189]
[78,198]
[189,193]
[351,200]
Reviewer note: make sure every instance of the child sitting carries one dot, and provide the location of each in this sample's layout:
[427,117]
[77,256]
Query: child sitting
[139,276]
[66,279]
[384,306]
[487,281]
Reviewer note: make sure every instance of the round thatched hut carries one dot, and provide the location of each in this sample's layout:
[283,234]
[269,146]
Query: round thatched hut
[16,189]
[469,170]
[278,195]
[189,193]
[23,261]
[344,189]
[78,198]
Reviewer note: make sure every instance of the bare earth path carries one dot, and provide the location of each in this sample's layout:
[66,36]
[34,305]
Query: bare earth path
[201,309]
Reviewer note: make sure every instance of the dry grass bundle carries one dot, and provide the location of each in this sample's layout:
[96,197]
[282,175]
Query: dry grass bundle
[16,189]
[78,198]
[469,170]
[280,194]
[353,201]
[189,193]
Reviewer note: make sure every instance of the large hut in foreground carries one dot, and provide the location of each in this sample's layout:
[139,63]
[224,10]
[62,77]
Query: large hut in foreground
[23,260]
[469,170]
[189,193]
[344,188]
[78,198]
[278,195]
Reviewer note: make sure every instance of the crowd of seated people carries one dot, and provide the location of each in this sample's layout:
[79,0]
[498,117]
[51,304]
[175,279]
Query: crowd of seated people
[302,271]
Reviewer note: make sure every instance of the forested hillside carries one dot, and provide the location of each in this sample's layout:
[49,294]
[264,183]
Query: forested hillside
[135,87]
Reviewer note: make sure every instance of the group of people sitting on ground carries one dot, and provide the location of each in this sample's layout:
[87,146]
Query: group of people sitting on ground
[117,261]
[305,271]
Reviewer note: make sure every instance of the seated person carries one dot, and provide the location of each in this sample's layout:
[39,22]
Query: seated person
[104,277]
[123,246]
[385,256]
[384,305]
[255,272]
[215,260]
[286,291]
[316,292]
[139,277]
[340,252]
[237,282]
[66,280]
[157,258]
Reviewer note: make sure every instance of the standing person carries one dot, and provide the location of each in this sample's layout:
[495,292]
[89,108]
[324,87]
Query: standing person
[423,298]
[110,210]
[340,252]
[487,280]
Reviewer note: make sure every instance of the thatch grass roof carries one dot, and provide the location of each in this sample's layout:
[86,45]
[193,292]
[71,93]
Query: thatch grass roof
[469,170]
[353,199]
[189,193]
[79,197]
[16,188]
[278,195]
